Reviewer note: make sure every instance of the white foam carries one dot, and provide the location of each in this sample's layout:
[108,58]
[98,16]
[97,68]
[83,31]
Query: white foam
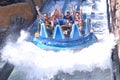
[41,63]
[26,54]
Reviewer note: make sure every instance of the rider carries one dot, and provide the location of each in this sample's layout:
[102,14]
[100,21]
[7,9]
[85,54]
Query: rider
[47,21]
[45,17]
[55,16]
[68,18]
[78,19]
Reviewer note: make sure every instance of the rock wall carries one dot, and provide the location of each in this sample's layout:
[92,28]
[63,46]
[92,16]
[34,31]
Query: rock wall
[117,15]
[19,9]
[115,9]
[17,16]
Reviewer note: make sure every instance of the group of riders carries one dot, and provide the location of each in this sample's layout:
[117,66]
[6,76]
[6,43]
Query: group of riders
[69,18]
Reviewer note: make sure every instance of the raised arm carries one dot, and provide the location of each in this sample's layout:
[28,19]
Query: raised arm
[80,12]
[39,13]
[58,11]
[73,9]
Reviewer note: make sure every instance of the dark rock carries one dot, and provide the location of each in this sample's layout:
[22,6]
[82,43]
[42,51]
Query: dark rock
[115,64]
[5,71]
[2,35]
[33,9]
[18,16]
[8,2]
[17,23]
[5,2]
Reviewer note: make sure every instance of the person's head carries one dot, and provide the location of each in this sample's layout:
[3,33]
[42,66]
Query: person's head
[67,14]
[54,17]
[81,23]
[56,12]
[77,15]
[46,15]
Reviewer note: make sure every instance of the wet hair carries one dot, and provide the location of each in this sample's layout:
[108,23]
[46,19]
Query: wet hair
[67,12]
[77,12]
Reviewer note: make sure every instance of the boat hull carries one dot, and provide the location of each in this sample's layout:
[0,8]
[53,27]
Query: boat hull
[52,44]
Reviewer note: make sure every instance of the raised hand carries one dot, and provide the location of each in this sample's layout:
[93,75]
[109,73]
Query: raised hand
[71,6]
[57,6]
[37,8]
[80,7]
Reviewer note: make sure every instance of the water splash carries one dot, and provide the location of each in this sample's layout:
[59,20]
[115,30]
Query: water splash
[42,63]
[35,63]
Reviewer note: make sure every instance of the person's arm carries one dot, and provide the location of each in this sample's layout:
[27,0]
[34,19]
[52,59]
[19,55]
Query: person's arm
[60,11]
[80,12]
[53,13]
[39,13]
[73,10]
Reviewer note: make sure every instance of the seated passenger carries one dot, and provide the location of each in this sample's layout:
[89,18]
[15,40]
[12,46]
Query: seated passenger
[47,21]
[78,19]
[68,18]
[55,16]
[45,17]
[68,23]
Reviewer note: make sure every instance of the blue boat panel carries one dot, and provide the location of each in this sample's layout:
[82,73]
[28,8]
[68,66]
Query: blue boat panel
[58,35]
[75,33]
[43,32]
[62,45]
[86,28]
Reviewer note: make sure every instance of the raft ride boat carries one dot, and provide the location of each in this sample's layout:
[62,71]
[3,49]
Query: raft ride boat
[58,41]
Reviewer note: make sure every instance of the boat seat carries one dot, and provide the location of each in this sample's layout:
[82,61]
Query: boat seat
[75,33]
[43,32]
[58,33]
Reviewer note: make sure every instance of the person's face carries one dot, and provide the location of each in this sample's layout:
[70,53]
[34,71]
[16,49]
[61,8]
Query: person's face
[81,23]
[56,12]
[46,16]
[77,15]
[68,15]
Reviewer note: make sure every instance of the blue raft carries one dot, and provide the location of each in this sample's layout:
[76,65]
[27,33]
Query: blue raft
[58,41]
